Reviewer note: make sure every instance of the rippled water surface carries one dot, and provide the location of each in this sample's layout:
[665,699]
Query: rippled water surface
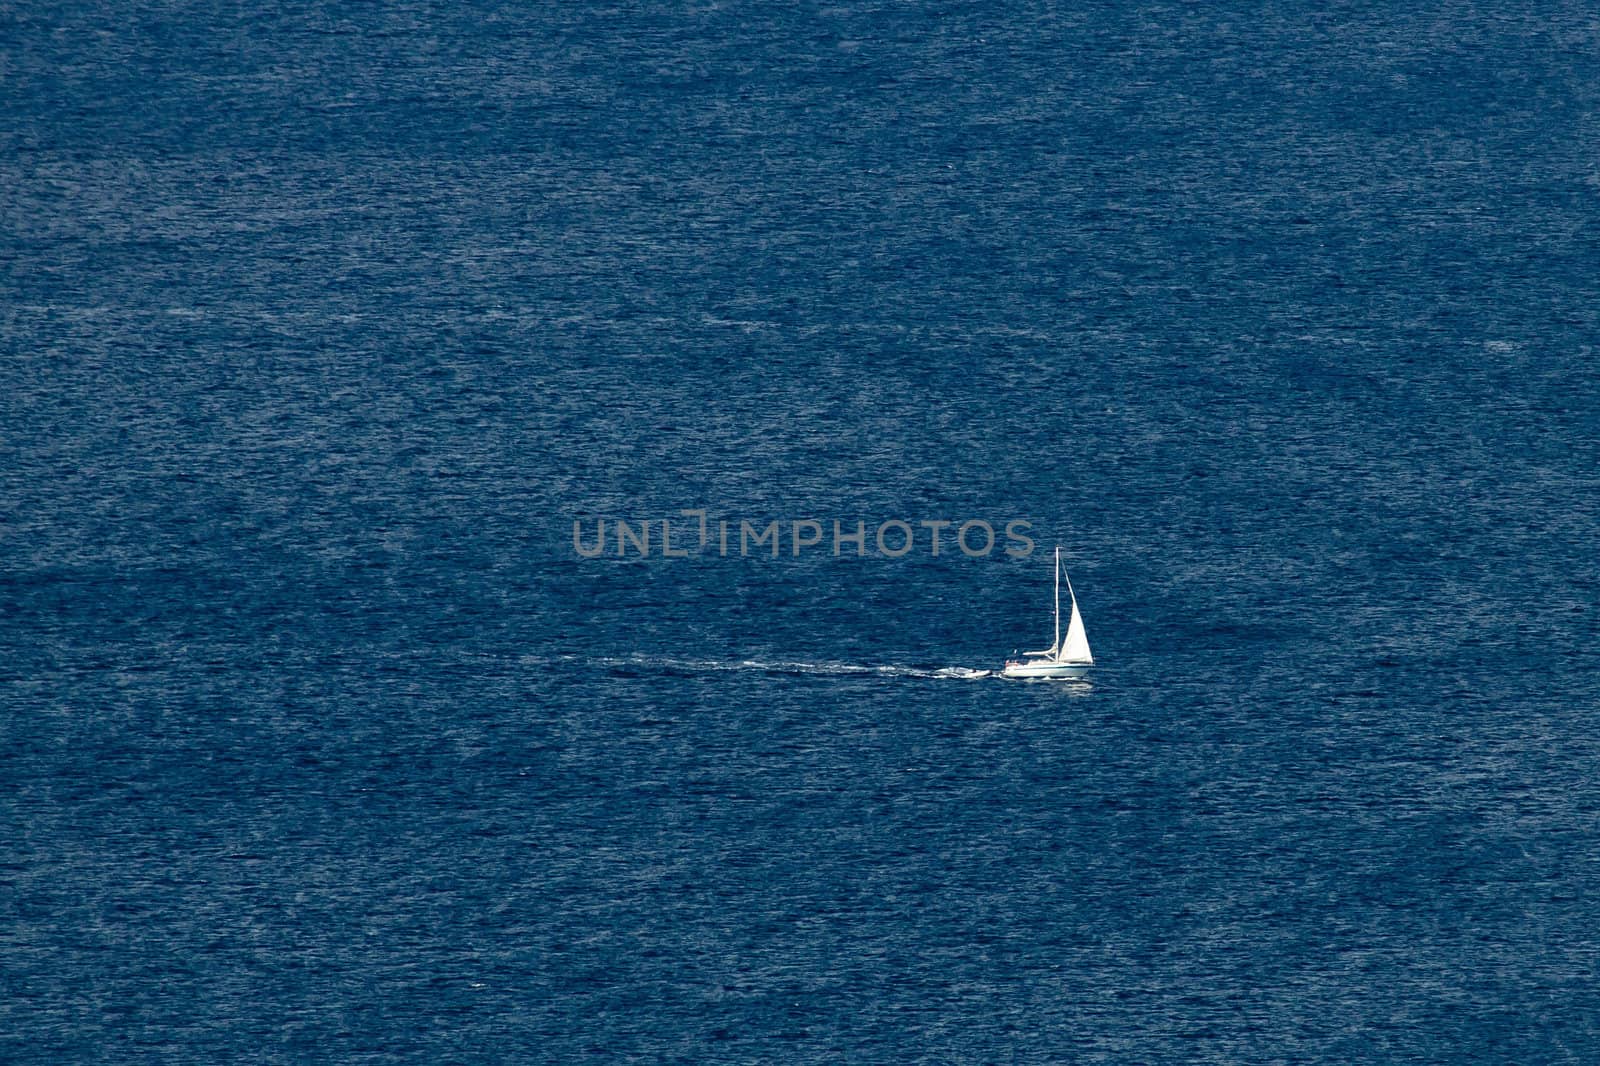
[319,329]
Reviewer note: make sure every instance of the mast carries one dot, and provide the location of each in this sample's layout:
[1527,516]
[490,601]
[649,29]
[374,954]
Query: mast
[1055,649]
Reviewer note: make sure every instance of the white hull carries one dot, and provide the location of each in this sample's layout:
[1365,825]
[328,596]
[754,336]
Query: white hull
[1046,670]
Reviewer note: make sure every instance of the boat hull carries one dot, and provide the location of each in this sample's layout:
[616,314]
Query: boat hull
[1046,670]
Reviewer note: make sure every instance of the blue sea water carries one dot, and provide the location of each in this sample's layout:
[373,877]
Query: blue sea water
[320,327]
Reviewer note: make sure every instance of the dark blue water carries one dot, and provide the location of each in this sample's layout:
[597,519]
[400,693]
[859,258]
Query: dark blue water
[319,328]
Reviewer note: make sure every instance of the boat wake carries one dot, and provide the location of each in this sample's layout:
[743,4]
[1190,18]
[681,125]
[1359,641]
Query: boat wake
[643,663]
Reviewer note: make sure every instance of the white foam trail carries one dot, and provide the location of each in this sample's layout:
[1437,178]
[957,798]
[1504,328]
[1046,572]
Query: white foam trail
[781,666]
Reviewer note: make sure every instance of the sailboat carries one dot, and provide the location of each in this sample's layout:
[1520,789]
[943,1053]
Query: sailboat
[1063,659]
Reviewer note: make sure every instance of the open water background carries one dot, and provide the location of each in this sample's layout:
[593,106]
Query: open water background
[320,326]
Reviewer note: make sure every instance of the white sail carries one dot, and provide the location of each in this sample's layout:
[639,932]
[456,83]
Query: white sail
[1076,648]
